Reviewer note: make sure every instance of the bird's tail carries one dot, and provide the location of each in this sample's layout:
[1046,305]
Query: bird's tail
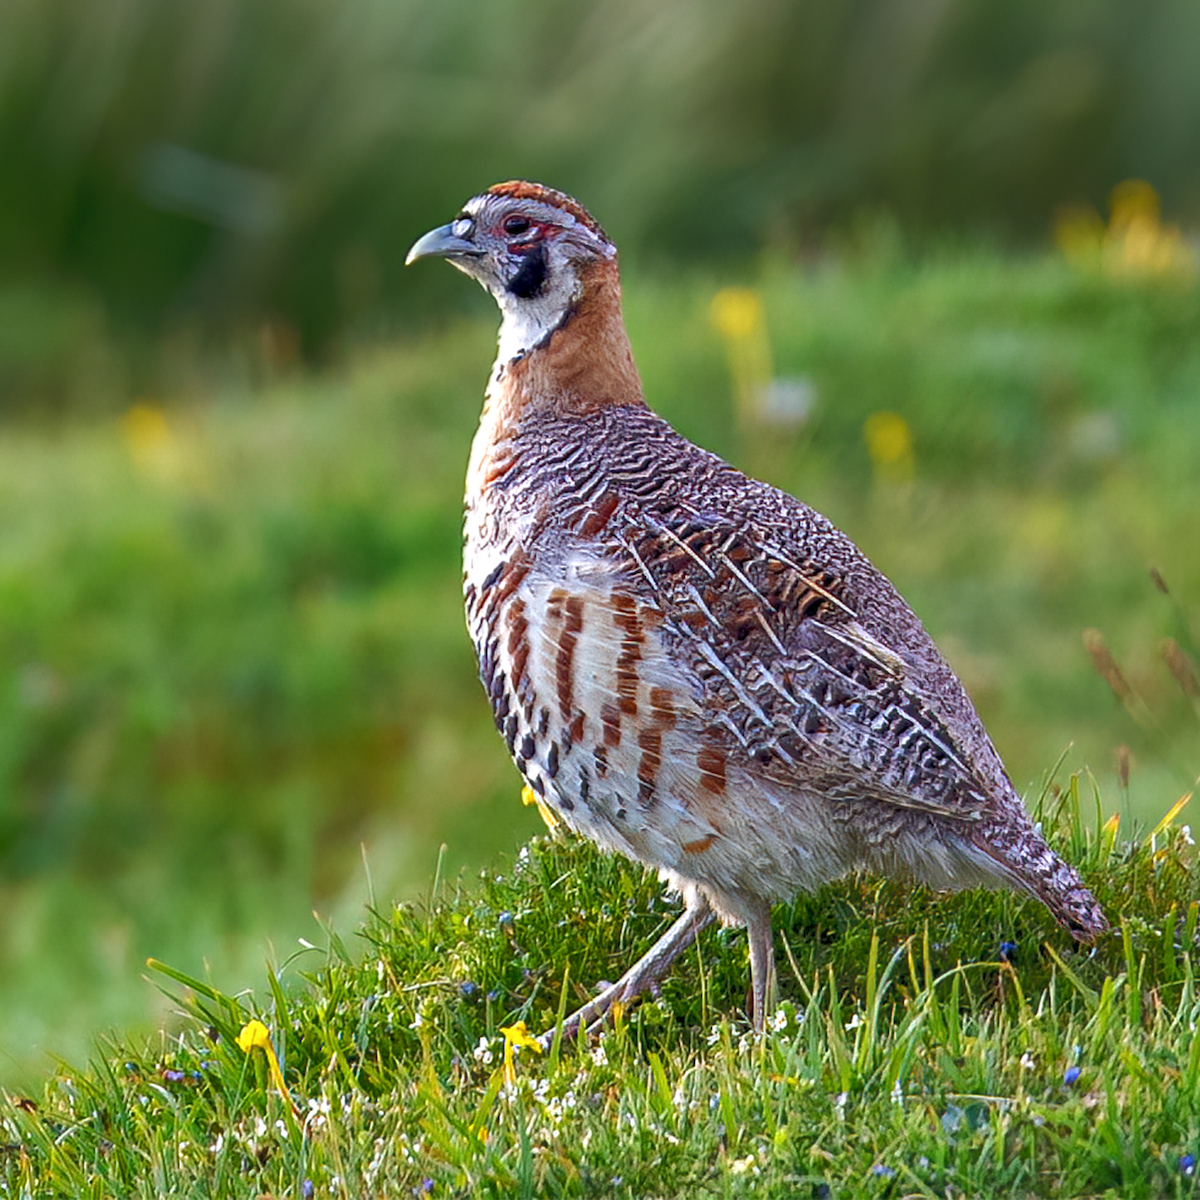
[1033,867]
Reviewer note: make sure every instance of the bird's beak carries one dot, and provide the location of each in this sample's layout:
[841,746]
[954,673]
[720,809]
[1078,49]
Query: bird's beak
[442,242]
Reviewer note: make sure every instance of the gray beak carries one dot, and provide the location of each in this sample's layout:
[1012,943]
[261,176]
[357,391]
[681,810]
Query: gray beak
[442,243]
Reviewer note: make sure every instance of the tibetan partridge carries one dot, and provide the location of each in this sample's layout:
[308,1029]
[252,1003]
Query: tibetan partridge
[687,665]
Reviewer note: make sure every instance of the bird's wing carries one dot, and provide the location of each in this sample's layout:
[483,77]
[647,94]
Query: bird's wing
[791,679]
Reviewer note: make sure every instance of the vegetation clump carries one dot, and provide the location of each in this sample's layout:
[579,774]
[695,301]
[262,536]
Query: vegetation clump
[926,1045]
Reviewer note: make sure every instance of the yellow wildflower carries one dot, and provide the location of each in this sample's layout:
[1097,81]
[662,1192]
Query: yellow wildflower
[516,1035]
[256,1035]
[738,316]
[529,796]
[889,442]
[1134,244]
[737,312]
[152,444]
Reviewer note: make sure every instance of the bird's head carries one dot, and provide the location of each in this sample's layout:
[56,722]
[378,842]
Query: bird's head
[531,247]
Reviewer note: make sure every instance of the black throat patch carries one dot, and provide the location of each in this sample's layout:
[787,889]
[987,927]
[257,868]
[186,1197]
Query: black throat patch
[531,275]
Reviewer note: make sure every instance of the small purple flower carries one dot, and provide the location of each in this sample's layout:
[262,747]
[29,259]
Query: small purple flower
[1008,952]
[427,1186]
[173,1076]
[883,1172]
[1071,1076]
[307,1190]
[1187,1165]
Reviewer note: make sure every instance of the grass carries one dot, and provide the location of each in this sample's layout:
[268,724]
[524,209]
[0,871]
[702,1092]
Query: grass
[231,650]
[924,1046]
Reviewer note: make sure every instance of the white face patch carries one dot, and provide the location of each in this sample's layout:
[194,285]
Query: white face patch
[529,315]
[528,322]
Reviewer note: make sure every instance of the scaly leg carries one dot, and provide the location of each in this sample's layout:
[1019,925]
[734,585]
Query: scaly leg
[762,963]
[645,974]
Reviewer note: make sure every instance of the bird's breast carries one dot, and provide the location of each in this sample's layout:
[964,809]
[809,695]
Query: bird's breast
[600,717]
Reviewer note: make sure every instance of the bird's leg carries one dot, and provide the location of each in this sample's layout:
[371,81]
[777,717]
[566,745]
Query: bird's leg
[645,974]
[762,963]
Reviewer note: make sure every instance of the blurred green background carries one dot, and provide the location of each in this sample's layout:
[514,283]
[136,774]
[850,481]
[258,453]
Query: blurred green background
[872,252]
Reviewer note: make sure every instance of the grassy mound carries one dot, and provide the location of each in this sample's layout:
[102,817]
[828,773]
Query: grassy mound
[925,1045]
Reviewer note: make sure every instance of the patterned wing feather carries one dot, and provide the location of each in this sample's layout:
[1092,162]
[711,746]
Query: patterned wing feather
[789,674]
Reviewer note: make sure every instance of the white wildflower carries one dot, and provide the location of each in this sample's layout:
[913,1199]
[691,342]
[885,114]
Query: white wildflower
[316,1117]
[559,1107]
[380,1156]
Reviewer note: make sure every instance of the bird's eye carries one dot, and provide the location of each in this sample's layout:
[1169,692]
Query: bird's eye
[514,226]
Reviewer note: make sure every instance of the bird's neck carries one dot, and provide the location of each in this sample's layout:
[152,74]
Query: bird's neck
[582,364]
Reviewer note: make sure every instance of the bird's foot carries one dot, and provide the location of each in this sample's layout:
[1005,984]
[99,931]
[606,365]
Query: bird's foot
[644,976]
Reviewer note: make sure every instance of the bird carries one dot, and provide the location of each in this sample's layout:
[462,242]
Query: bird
[689,666]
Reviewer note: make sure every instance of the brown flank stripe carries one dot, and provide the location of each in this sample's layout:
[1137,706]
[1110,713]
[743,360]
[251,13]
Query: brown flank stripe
[610,718]
[518,642]
[650,744]
[711,763]
[662,707]
[514,573]
[626,618]
[564,665]
[575,729]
